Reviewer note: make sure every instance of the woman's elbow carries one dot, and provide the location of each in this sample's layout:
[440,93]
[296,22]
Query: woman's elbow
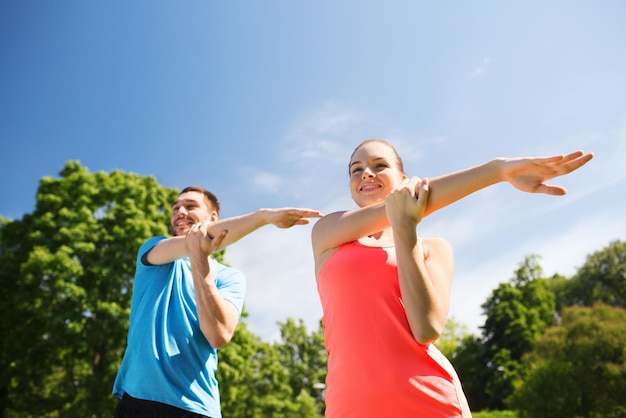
[428,332]
[426,337]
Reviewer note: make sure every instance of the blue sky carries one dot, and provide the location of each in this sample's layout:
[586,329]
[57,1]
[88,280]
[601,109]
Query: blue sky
[263,102]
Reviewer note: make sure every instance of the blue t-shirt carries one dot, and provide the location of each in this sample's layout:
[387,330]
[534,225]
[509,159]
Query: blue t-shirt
[167,358]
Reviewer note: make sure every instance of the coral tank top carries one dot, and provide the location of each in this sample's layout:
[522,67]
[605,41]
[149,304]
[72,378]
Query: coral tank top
[375,366]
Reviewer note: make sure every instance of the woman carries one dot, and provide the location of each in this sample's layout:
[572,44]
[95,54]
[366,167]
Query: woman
[385,292]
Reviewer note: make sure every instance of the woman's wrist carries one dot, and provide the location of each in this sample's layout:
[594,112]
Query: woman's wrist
[496,170]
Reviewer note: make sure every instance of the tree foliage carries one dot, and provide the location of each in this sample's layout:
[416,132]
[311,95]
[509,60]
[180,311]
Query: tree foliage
[452,338]
[66,277]
[304,357]
[517,312]
[577,369]
[470,361]
[602,279]
[259,379]
[518,315]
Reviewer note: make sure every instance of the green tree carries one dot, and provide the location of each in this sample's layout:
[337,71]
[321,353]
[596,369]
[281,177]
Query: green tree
[305,359]
[516,314]
[452,338]
[253,383]
[577,369]
[66,274]
[470,361]
[602,279]
[259,379]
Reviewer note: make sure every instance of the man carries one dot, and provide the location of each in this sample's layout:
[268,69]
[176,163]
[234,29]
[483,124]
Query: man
[185,305]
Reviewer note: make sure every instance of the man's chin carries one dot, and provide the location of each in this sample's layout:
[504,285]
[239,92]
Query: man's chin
[180,231]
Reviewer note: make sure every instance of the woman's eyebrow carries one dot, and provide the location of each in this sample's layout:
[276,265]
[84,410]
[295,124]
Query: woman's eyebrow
[374,159]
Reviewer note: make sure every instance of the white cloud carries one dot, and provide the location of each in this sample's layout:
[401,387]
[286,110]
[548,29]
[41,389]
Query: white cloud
[481,68]
[264,181]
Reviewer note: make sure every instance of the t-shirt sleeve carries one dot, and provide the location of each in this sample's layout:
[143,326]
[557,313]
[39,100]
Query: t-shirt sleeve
[231,284]
[145,248]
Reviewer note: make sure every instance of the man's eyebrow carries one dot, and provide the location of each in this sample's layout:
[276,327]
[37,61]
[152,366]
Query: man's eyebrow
[176,202]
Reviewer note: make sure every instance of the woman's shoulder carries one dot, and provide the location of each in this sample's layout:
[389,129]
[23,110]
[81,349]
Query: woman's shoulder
[436,244]
[325,224]
[330,217]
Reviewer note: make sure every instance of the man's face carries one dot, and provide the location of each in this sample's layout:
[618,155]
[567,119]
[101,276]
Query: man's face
[190,208]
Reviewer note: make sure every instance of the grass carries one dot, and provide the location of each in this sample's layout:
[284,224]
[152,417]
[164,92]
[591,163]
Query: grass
[494,414]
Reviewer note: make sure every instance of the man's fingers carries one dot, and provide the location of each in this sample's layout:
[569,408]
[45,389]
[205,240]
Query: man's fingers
[217,239]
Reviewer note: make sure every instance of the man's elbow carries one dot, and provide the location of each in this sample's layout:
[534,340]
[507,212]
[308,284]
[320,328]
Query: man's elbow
[218,338]
[219,342]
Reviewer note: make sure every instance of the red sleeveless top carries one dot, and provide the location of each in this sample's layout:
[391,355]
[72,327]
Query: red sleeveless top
[375,366]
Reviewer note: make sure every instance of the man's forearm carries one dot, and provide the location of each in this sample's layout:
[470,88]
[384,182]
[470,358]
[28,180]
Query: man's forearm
[238,227]
[216,316]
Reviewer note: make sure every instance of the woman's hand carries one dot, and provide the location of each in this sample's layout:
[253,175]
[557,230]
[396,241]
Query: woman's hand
[407,201]
[528,174]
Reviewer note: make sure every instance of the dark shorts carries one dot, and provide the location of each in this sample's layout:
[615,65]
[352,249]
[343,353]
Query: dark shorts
[130,407]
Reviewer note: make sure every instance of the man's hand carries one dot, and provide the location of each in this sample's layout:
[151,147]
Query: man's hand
[529,174]
[288,217]
[199,243]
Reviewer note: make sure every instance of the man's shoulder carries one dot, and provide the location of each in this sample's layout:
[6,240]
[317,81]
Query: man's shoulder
[222,270]
[149,243]
[223,267]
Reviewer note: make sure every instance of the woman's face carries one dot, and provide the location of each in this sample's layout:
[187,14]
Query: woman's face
[374,173]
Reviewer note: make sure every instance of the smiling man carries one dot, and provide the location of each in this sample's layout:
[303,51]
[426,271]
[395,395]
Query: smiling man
[185,305]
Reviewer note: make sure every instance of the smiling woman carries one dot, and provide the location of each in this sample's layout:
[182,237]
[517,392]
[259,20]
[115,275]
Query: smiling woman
[375,170]
[385,291]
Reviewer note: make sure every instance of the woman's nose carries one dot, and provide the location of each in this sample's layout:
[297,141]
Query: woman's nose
[367,173]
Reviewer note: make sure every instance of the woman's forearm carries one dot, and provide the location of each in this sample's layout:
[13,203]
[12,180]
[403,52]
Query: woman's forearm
[449,188]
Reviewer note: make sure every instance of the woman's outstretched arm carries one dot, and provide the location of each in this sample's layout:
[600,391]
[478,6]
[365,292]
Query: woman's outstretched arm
[528,174]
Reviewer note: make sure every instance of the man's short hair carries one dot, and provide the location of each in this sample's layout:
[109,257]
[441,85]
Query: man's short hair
[210,198]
